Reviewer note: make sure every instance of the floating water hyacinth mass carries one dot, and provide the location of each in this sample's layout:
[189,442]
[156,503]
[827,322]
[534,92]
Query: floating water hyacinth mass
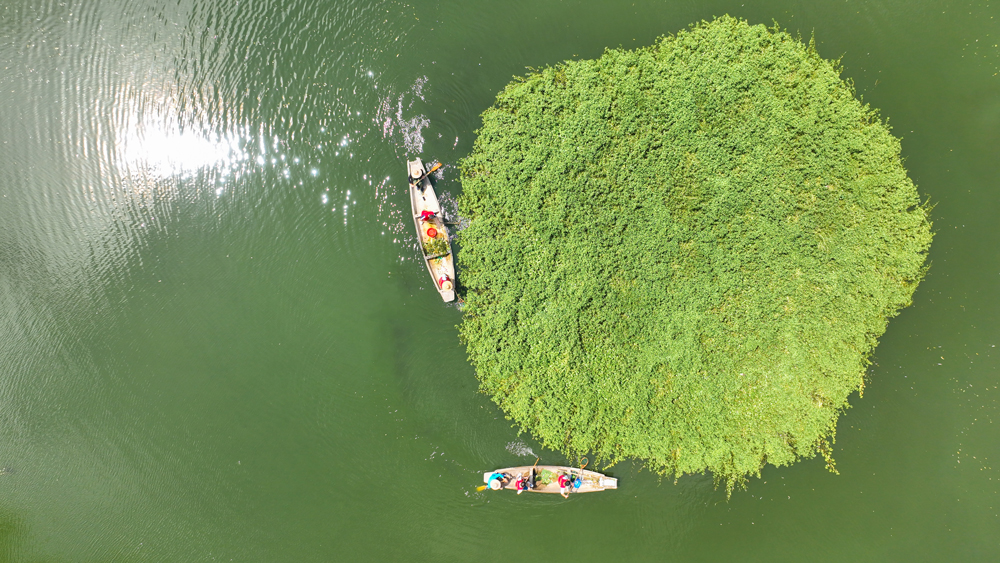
[685,253]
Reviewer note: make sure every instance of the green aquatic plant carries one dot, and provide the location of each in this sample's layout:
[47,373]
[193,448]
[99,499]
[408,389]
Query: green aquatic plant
[685,253]
[436,246]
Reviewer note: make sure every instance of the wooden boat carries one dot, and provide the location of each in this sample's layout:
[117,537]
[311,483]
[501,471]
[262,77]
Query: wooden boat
[546,478]
[435,242]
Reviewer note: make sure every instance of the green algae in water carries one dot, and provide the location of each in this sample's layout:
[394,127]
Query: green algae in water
[685,253]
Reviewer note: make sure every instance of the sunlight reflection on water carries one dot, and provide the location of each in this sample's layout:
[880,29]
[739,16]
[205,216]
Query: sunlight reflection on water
[155,142]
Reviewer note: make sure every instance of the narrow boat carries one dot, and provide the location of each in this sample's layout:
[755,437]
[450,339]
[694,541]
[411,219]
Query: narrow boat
[545,479]
[435,242]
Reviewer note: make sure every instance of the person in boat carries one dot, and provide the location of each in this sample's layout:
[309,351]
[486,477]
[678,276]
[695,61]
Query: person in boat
[427,215]
[418,182]
[444,282]
[496,481]
[564,484]
[522,483]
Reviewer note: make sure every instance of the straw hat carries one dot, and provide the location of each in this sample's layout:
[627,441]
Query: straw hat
[495,484]
[447,286]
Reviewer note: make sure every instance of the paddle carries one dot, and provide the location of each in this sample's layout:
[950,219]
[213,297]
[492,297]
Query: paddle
[428,173]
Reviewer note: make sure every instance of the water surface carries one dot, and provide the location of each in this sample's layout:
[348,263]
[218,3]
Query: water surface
[216,341]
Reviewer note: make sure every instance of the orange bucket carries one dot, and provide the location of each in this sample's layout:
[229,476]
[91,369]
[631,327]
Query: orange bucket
[432,232]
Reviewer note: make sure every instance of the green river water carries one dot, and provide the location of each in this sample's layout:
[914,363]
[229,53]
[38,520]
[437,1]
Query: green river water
[217,342]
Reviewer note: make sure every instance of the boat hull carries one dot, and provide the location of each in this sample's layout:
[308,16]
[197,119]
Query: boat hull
[591,481]
[423,198]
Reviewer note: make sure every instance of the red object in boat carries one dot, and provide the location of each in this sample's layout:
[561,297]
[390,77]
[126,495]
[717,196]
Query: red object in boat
[432,232]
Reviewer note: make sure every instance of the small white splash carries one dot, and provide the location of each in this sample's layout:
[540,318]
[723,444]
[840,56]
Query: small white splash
[409,127]
[412,139]
[449,208]
[521,449]
[418,87]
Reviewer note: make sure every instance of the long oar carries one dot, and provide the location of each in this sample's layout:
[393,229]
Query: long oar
[428,173]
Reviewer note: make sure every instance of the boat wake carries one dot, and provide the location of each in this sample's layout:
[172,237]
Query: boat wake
[390,117]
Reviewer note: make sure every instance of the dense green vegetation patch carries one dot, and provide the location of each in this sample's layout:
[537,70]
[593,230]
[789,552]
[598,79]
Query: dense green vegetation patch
[685,253]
